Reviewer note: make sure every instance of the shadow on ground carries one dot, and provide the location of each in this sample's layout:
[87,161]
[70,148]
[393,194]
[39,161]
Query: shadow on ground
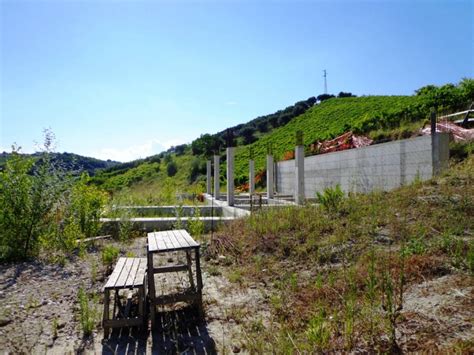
[176,332]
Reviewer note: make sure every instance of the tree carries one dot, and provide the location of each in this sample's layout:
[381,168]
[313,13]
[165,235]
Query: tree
[345,94]
[171,168]
[180,149]
[311,101]
[247,135]
[324,97]
[262,126]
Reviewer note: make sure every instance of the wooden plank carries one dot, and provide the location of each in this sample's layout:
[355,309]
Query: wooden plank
[115,273]
[141,271]
[168,240]
[172,268]
[133,272]
[182,233]
[159,241]
[152,246]
[192,243]
[177,297]
[177,241]
[121,281]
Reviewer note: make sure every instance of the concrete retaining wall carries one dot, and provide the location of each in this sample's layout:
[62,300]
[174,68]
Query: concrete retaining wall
[379,167]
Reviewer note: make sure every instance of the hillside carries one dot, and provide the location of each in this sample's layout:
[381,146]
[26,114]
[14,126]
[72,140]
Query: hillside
[380,117]
[69,161]
[367,273]
[330,119]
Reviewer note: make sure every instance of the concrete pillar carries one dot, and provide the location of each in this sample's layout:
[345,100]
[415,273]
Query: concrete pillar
[270,185]
[251,177]
[217,185]
[299,174]
[230,175]
[208,177]
[439,152]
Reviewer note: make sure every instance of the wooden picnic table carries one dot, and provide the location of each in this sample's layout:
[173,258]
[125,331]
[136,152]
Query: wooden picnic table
[170,241]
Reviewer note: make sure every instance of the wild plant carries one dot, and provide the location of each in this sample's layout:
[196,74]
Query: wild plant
[179,215]
[331,198]
[195,224]
[392,288]
[87,312]
[109,255]
[318,331]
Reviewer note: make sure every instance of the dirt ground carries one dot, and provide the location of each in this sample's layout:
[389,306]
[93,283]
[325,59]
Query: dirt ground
[39,312]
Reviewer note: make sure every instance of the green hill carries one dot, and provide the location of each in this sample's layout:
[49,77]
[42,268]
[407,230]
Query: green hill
[332,118]
[380,117]
[71,162]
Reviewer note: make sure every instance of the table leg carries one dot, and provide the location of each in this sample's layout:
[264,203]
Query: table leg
[151,288]
[190,269]
[199,282]
[106,312]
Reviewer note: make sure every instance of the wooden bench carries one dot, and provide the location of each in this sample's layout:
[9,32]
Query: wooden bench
[128,275]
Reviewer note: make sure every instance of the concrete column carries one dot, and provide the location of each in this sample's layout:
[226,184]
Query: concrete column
[270,182]
[299,174]
[208,177]
[439,152]
[230,176]
[251,177]
[217,185]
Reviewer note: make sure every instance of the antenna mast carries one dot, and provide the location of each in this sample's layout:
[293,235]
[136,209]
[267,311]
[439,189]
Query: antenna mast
[325,82]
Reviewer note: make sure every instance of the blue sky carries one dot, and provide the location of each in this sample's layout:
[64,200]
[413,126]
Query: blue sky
[126,79]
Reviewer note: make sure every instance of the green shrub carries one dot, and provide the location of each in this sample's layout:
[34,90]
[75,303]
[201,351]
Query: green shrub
[29,197]
[87,312]
[109,255]
[331,198]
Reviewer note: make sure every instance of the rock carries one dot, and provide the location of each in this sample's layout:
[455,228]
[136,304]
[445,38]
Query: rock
[4,321]
[235,349]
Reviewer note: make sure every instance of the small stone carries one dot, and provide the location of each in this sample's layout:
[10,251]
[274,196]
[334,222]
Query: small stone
[235,349]
[4,321]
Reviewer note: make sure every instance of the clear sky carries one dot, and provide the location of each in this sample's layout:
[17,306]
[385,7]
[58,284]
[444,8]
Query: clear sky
[126,79]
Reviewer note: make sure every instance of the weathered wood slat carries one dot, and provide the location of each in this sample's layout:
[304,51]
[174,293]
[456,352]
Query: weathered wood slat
[177,242]
[182,235]
[152,242]
[172,268]
[140,275]
[122,279]
[115,274]
[177,297]
[185,235]
[132,273]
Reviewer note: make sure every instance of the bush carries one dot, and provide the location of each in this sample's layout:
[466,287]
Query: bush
[87,312]
[29,196]
[109,255]
[331,198]
[171,169]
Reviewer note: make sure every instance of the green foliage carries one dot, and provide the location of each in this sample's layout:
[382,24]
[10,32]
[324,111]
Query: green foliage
[87,312]
[319,330]
[86,205]
[29,199]
[171,169]
[110,254]
[331,198]
[195,224]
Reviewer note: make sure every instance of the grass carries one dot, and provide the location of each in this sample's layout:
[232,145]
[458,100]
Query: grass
[87,312]
[334,285]
[109,255]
